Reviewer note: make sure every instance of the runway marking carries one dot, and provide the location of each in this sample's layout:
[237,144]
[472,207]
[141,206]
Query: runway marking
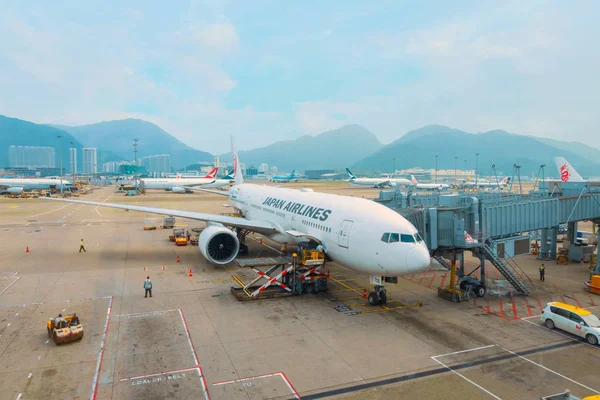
[189,338]
[98,212]
[19,396]
[9,286]
[30,375]
[94,389]
[17,314]
[63,225]
[434,358]
[48,212]
[129,378]
[280,374]
[47,341]
[8,324]
[39,358]
[145,314]
[550,370]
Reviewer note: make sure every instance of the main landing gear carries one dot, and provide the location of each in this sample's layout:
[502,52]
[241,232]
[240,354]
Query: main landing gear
[378,297]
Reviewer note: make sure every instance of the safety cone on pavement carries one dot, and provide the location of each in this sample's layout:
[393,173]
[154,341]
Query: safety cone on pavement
[364,293]
[260,240]
[27,249]
[190,274]
[178,259]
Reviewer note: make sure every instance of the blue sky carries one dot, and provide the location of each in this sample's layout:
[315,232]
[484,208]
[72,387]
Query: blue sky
[274,70]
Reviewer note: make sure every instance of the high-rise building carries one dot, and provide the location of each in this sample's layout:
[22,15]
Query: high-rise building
[263,168]
[243,168]
[31,157]
[159,164]
[73,160]
[90,161]
[273,170]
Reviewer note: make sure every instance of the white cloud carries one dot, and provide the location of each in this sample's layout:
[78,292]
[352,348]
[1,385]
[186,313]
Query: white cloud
[220,36]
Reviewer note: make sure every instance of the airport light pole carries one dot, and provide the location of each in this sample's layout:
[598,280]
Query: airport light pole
[394,169]
[476,168]
[436,168]
[60,149]
[73,166]
[455,158]
[135,157]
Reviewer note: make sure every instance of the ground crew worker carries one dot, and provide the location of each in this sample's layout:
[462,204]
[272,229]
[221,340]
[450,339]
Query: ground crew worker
[60,322]
[75,320]
[320,248]
[284,250]
[82,246]
[542,273]
[148,286]
[188,236]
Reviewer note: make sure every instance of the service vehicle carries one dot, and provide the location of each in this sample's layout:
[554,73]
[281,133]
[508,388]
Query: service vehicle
[575,320]
[65,333]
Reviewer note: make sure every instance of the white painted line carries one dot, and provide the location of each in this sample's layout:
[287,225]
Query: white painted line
[90,224]
[17,314]
[150,313]
[19,396]
[466,351]
[558,332]
[98,212]
[280,374]
[8,324]
[63,309]
[39,358]
[157,374]
[47,341]
[465,378]
[193,349]
[15,273]
[51,211]
[27,224]
[8,287]
[63,225]
[30,375]
[94,390]
[550,370]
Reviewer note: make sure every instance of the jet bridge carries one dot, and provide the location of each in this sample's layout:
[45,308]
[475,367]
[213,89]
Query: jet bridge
[496,226]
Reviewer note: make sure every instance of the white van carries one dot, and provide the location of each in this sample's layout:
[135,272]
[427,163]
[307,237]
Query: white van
[572,319]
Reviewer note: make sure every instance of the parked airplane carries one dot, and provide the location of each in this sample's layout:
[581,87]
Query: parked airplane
[225,181]
[428,186]
[179,184]
[376,182]
[358,233]
[17,186]
[486,184]
[284,178]
[566,170]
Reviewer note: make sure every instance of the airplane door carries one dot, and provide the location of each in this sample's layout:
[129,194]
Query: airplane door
[344,233]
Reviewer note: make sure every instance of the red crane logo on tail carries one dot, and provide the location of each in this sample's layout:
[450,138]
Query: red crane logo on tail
[234,164]
[564,173]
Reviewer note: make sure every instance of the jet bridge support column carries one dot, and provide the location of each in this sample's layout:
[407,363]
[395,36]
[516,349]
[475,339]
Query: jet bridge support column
[572,232]
[482,267]
[553,238]
[543,254]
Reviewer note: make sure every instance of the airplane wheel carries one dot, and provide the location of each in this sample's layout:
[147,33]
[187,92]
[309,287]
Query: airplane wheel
[480,291]
[373,299]
[382,298]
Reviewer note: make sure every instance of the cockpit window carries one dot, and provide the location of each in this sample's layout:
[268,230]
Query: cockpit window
[407,238]
[418,237]
[394,237]
[385,238]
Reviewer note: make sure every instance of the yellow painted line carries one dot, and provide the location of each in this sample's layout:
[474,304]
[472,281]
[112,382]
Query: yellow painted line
[384,308]
[346,286]
[14,206]
[222,280]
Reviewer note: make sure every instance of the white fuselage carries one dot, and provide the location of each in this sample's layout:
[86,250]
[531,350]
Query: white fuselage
[30,184]
[170,183]
[349,228]
[372,182]
[219,183]
[432,186]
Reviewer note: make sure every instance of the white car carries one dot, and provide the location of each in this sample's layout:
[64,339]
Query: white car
[572,319]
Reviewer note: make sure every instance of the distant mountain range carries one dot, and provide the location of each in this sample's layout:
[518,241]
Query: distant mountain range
[499,148]
[329,150]
[116,138]
[350,145]
[17,132]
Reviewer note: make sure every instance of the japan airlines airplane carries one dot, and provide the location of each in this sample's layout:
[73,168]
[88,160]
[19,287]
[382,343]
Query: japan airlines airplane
[285,178]
[358,233]
[179,184]
[17,186]
[376,182]
[428,186]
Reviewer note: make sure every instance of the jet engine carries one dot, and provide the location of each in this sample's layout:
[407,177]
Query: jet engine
[15,190]
[218,244]
[178,189]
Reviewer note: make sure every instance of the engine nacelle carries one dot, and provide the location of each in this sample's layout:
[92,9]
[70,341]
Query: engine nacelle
[218,244]
[178,189]
[15,190]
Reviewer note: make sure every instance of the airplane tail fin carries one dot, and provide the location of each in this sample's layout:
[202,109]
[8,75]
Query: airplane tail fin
[212,174]
[413,179]
[566,170]
[350,174]
[237,171]
[293,174]
[229,176]
[178,176]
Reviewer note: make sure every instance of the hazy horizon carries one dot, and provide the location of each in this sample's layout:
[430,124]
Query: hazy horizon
[269,71]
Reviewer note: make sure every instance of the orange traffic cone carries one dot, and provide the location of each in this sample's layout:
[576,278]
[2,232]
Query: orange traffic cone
[178,259]
[190,274]
[27,249]
[260,241]
[364,293]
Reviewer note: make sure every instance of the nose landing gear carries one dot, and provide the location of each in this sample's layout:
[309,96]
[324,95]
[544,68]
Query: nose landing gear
[378,297]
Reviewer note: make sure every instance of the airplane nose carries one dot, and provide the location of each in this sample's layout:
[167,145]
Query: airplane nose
[418,259]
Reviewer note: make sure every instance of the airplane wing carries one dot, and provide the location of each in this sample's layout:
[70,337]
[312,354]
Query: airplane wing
[382,184]
[200,189]
[259,226]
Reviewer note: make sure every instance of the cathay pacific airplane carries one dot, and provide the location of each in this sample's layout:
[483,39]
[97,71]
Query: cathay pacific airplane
[428,186]
[358,233]
[225,181]
[284,178]
[179,184]
[17,186]
[378,183]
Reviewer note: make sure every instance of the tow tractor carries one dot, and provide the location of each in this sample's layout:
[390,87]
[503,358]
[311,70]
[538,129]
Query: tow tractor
[179,237]
[65,333]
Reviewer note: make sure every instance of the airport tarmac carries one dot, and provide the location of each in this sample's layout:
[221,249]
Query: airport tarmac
[193,339]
